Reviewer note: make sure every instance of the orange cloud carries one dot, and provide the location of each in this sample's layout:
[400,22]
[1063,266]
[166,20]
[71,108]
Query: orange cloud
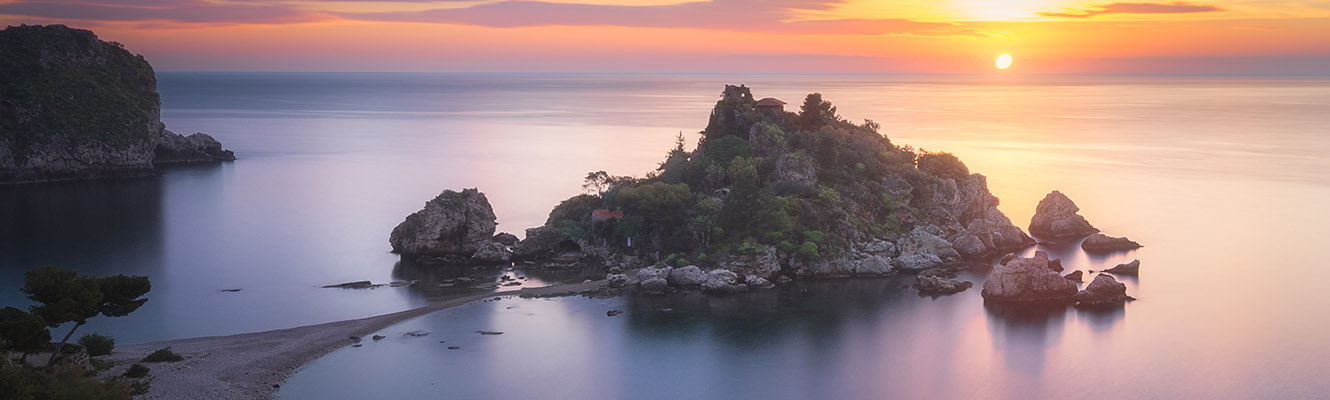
[1134,8]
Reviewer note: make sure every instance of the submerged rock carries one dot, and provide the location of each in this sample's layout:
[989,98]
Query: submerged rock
[1132,268]
[612,313]
[1101,243]
[1103,290]
[939,285]
[453,223]
[351,285]
[1027,280]
[1056,217]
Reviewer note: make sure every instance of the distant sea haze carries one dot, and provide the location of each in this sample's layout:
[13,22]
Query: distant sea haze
[1222,178]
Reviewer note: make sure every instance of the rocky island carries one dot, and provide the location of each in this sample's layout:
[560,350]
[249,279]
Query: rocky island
[74,107]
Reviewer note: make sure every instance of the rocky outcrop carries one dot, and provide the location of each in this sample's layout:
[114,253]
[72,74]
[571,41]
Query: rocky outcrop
[723,281]
[653,279]
[1075,276]
[506,238]
[1103,291]
[686,276]
[757,282]
[454,223]
[74,107]
[923,249]
[1056,217]
[1101,243]
[762,262]
[492,252]
[541,242]
[173,148]
[939,285]
[1025,280]
[1132,268]
[985,229]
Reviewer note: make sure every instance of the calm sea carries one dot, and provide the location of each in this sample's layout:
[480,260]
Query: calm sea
[1224,179]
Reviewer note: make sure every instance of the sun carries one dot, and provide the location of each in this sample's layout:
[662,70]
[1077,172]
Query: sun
[1003,61]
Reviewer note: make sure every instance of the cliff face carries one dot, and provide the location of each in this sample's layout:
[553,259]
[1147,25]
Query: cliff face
[75,107]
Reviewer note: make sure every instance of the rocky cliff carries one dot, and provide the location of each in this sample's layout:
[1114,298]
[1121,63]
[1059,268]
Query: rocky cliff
[454,226]
[75,107]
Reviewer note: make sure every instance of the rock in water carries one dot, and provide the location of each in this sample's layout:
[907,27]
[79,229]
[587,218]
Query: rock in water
[540,243]
[936,284]
[1075,276]
[924,249]
[757,282]
[1103,290]
[652,279]
[1132,268]
[1027,280]
[687,276]
[492,252]
[454,223]
[75,107]
[1056,217]
[617,280]
[723,281]
[1101,243]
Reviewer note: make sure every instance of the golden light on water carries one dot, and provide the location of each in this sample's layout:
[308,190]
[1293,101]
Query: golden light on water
[1003,61]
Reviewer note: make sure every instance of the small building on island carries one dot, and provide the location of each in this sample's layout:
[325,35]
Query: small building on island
[770,106]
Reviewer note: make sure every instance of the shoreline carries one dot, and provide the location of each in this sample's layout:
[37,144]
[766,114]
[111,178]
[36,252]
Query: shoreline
[254,365]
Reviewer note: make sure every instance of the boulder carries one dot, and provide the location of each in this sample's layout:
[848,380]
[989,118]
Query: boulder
[1025,280]
[617,280]
[1132,268]
[541,243]
[454,223]
[492,252]
[686,276]
[506,238]
[939,285]
[1103,290]
[757,282]
[1075,276]
[916,262]
[723,281]
[1101,243]
[924,248]
[653,279]
[1056,217]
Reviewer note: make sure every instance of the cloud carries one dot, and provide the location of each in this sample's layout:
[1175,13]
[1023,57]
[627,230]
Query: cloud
[196,11]
[1134,8]
[768,16]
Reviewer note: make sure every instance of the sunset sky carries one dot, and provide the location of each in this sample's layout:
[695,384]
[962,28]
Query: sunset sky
[718,36]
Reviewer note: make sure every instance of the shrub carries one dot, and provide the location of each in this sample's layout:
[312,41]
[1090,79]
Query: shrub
[136,371]
[163,355]
[22,331]
[97,344]
[943,165]
[681,262]
[814,236]
[808,251]
[786,247]
[703,258]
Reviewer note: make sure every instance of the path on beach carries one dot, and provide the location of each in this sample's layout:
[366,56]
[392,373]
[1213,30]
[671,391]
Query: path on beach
[252,365]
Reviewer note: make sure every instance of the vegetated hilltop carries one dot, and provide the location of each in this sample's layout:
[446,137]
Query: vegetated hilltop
[773,193]
[76,107]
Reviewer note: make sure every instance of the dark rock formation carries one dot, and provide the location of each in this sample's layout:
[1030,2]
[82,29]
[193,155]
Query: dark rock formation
[1056,217]
[939,285]
[1132,268]
[492,252]
[1101,243]
[74,107]
[1055,264]
[506,238]
[454,223]
[1027,280]
[541,243]
[1103,290]
[1075,276]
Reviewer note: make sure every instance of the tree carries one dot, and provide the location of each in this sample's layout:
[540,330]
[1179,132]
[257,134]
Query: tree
[815,112]
[597,182]
[23,331]
[65,296]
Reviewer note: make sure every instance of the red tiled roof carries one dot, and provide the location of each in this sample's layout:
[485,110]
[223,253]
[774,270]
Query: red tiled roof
[770,102]
[607,214]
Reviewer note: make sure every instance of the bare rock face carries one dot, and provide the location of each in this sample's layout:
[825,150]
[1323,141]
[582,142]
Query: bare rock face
[506,238]
[541,242]
[653,279]
[74,107]
[492,252]
[1101,243]
[924,249]
[1132,268]
[454,223]
[1056,217]
[1102,291]
[1026,280]
[939,285]
[763,262]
